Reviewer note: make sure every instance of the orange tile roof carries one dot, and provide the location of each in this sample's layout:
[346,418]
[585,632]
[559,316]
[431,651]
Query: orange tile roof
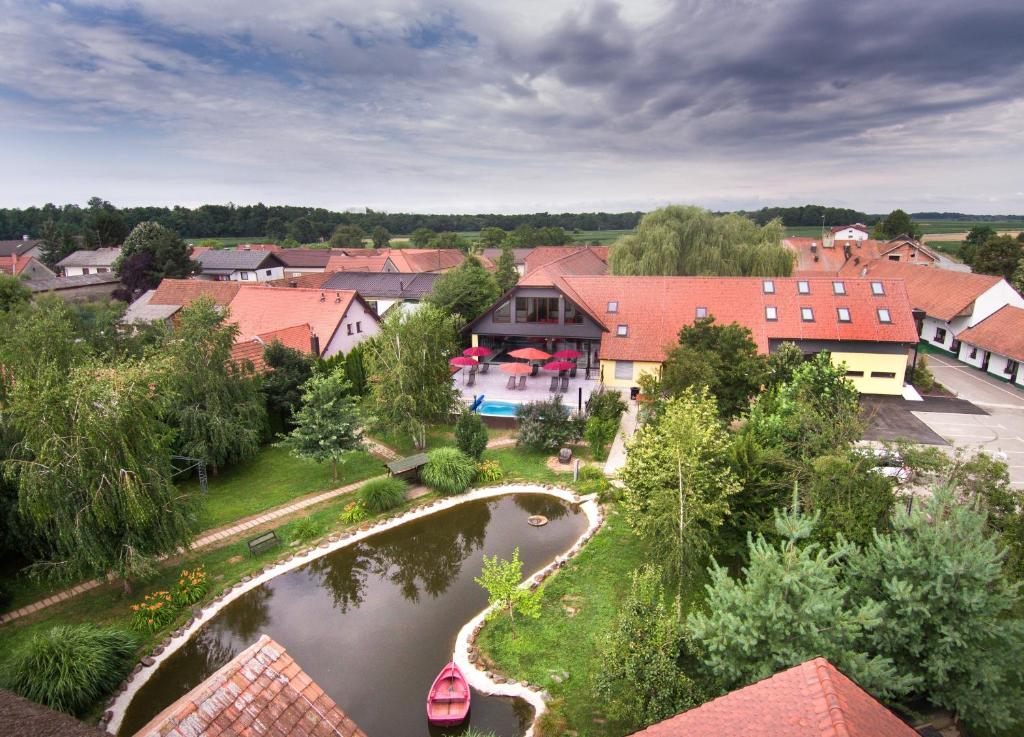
[541,256]
[297,337]
[655,308]
[316,280]
[581,262]
[831,260]
[348,262]
[261,692]
[813,699]
[1001,332]
[258,310]
[941,293]
[186,291]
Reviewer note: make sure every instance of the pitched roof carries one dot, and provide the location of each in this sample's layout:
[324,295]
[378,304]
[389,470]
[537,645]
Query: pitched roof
[654,308]
[261,692]
[370,261]
[1001,332]
[383,285]
[227,260]
[15,264]
[258,310]
[258,247]
[855,226]
[57,283]
[812,699]
[99,257]
[543,255]
[23,718]
[297,337]
[18,246]
[304,258]
[814,258]
[941,293]
[314,280]
[576,262]
[141,310]
[518,254]
[183,292]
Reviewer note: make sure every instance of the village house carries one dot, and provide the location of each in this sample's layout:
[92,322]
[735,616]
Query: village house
[23,247]
[99,261]
[996,344]
[518,257]
[398,260]
[25,267]
[846,257]
[234,265]
[951,300]
[855,232]
[77,289]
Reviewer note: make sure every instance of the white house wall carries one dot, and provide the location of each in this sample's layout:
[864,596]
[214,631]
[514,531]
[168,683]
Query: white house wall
[992,300]
[996,362]
[850,234]
[259,275]
[342,342]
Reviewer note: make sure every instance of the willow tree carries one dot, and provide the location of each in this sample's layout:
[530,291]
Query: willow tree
[688,241]
[407,368]
[219,412]
[94,471]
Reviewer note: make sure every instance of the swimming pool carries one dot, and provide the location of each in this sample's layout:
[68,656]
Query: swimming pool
[496,408]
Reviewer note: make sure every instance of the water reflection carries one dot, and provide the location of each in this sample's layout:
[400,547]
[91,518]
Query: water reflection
[372,624]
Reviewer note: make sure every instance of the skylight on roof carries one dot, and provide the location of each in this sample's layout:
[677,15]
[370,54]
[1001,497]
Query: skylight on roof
[769,286]
[771,313]
[803,287]
[884,316]
[622,330]
[838,287]
[877,288]
[807,314]
[702,312]
[613,306]
[843,313]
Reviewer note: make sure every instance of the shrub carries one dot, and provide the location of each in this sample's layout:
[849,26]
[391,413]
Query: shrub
[546,425]
[471,434]
[154,611]
[593,481]
[306,529]
[71,667]
[353,513]
[608,405]
[489,472]
[191,586]
[599,433]
[448,471]
[923,377]
[380,495]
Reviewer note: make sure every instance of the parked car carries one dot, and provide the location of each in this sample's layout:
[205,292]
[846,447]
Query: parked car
[888,463]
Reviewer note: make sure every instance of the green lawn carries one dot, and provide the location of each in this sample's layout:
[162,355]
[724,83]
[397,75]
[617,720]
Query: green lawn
[272,478]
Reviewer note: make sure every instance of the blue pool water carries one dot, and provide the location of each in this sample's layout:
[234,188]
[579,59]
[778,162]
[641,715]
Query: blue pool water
[495,408]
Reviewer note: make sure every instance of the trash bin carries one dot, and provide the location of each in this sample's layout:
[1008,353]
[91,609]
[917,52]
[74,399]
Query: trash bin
[634,392]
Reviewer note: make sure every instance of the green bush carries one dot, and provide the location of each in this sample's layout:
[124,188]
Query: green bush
[71,667]
[608,405]
[923,378]
[471,435]
[546,425]
[353,513]
[593,481]
[382,494]
[489,472]
[599,433]
[306,529]
[448,471]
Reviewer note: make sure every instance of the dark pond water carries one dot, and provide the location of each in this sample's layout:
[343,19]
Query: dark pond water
[375,622]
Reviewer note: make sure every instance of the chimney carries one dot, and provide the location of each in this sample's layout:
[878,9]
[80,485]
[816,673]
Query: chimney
[322,297]
[814,247]
[293,283]
[864,271]
[314,344]
[337,298]
[847,251]
[14,264]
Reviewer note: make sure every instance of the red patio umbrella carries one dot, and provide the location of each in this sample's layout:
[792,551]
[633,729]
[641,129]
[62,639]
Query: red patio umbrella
[516,368]
[567,353]
[462,361]
[559,366]
[530,354]
[477,350]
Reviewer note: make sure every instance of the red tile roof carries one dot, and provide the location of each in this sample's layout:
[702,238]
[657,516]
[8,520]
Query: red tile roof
[654,308]
[578,262]
[316,280]
[941,293]
[406,260]
[812,699]
[258,247]
[261,692]
[831,260]
[296,336]
[184,292]
[258,310]
[543,255]
[1001,332]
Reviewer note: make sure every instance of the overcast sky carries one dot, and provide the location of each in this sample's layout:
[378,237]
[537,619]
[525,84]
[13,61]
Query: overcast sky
[517,106]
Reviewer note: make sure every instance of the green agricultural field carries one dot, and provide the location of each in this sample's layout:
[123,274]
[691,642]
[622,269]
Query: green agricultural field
[229,242]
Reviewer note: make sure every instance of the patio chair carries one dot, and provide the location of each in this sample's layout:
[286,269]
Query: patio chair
[471,381]
[554,384]
[572,373]
[511,383]
[565,385]
[522,383]
[484,368]
[473,369]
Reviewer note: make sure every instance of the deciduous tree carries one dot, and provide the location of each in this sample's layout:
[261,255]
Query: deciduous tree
[169,256]
[347,236]
[421,237]
[507,275]
[12,292]
[471,434]
[327,426]
[894,224]
[500,578]
[381,237]
[282,385]
[467,290]
[999,256]
[492,237]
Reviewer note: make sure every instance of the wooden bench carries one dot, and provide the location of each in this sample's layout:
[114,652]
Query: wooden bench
[408,466]
[262,542]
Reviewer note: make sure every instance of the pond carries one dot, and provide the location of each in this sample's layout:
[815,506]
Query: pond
[373,623]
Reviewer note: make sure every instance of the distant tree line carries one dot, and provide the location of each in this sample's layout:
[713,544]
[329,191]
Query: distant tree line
[811,215]
[278,222]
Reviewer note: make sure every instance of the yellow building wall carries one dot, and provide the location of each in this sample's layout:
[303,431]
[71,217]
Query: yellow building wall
[639,369]
[877,363]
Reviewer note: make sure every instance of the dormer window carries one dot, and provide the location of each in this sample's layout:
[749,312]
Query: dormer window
[883,316]
[838,287]
[702,312]
[807,314]
[622,331]
[613,306]
[768,286]
[877,288]
[771,313]
[803,287]
[844,314]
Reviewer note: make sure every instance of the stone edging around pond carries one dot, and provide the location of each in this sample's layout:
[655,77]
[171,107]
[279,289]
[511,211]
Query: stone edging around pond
[114,715]
[467,656]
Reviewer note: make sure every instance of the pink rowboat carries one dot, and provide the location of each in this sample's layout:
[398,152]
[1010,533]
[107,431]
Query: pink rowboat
[448,699]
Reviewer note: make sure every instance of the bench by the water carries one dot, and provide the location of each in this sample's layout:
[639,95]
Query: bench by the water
[410,465]
[262,542]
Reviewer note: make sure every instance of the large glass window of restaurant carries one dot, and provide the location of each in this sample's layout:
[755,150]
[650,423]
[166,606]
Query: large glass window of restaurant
[503,312]
[573,314]
[537,309]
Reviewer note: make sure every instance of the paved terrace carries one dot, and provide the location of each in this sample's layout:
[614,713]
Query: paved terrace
[492,386]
